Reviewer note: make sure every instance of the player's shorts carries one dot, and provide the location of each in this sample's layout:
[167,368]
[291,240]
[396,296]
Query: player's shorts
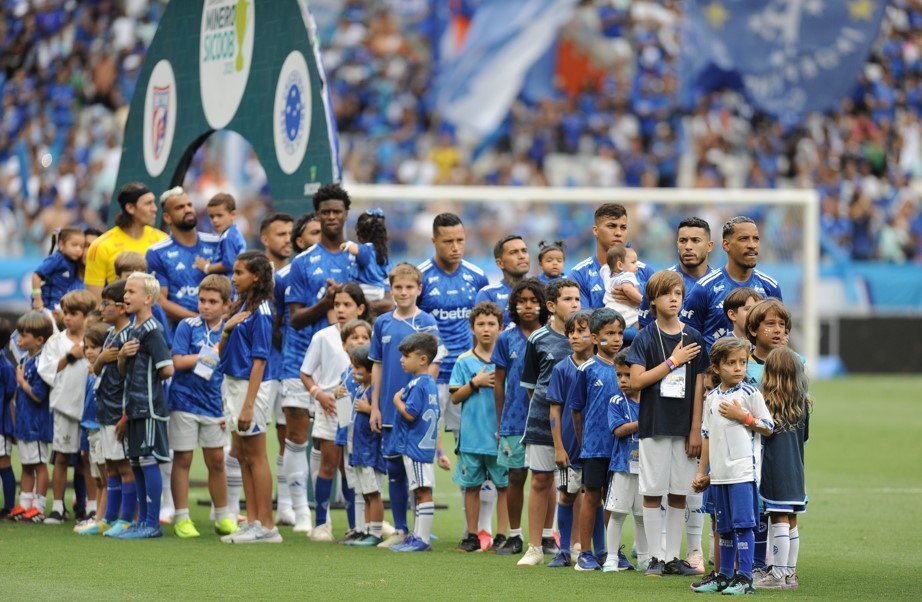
[189,431]
[570,479]
[771,507]
[419,474]
[294,395]
[595,472]
[33,452]
[278,415]
[540,458]
[325,425]
[66,434]
[94,437]
[233,392]
[624,494]
[665,468]
[148,437]
[387,440]
[113,450]
[6,445]
[707,504]
[451,412]
[736,505]
[473,469]
[368,480]
[511,452]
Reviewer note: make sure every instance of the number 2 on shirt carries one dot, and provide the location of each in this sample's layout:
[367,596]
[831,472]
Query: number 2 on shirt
[432,422]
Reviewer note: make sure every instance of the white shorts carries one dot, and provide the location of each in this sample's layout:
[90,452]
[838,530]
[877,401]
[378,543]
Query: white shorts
[539,458]
[96,455]
[368,480]
[664,467]
[325,425]
[624,494]
[66,434]
[233,392]
[33,452]
[294,395]
[113,450]
[569,479]
[351,478]
[372,292]
[419,474]
[278,415]
[6,444]
[451,412]
[189,431]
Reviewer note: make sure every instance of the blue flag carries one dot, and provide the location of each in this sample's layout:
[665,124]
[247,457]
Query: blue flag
[789,56]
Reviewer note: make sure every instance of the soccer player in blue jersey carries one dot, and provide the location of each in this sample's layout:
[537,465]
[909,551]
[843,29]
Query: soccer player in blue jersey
[416,427]
[610,228]
[172,260]
[244,349]
[595,383]
[145,361]
[222,211]
[703,306]
[471,386]
[387,378]
[667,367]
[196,410]
[512,258]
[528,312]
[566,447]
[309,294]
[546,347]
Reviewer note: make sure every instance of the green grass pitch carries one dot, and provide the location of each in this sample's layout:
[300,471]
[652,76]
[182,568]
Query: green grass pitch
[862,536]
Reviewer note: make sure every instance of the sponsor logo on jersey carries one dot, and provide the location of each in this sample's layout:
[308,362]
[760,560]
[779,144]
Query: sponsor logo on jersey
[460,313]
[172,254]
[434,292]
[315,258]
[467,277]
[719,288]
[180,266]
[66,274]
[318,272]
[432,279]
[453,292]
[187,291]
[386,339]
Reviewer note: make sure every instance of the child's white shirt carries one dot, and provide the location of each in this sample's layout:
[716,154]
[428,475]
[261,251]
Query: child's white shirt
[609,281]
[68,387]
[326,360]
[735,452]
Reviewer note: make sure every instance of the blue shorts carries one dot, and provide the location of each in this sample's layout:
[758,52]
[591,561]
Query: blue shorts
[148,437]
[473,469]
[342,436]
[707,503]
[736,505]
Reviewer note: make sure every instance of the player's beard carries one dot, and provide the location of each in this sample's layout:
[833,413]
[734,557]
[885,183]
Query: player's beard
[187,224]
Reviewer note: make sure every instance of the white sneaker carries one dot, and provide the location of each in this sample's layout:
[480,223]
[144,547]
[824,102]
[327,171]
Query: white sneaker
[302,523]
[244,527]
[611,564]
[286,516]
[695,559]
[248,535]
[322,532]
[395,538]
[84,525]
[534,556]
[770,581]
[387,529]
[260,534]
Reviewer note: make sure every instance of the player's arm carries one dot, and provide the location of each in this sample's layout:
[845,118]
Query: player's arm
[402,407]
[703,479]
[499,393]
[173,310]
[632,293]
[693,444]
[25,385]
[375,414]
[302,316]
[37,303]
[561,459]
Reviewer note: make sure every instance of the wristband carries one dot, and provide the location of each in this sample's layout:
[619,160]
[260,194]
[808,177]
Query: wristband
[71,358]
[313,390]
[749,419]
[439,453]
[670,363]
[36,291]
[472,385]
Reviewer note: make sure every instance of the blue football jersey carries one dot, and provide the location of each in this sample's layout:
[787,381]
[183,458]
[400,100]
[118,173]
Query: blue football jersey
[478,412]
[190,392]
[144,396]
[497,293]
[509,354]
[88,420]
[33,420]
[279,309]
[449,298]
[369,271]
[230,244]
[174,266]
[563,378]
[703,308]
[416,439]
[366,444]
[595,383]
[7,394]
[249,340]
[622,410]
[59,277]
[591,287]
[546,347]
[645,316]
[110,391]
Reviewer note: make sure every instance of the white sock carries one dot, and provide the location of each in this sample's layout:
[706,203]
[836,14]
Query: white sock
[694,522]
[234,483]
[166,473]
[315,468]
[781,548]
[515,532]
[794,550]
[675,519]
[25,499]
[220,513]
[359,513]
[57,506]
[181,514]
[375,529]
[90,506]
[613,535]
[281,480]
[487,504]
[295,463]
[653,527]
[39,501]
[545,533]
[425,514]
[640,539]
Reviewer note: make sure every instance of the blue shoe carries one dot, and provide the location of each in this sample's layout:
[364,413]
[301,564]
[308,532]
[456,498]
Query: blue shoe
[153,532]
[561,560]
[117,528]
[403,544]
[587,562]
[417,545]
[136,532]
[123,534]
[623,563]
[601,557]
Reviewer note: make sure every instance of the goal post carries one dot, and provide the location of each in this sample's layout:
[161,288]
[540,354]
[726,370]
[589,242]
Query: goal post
[802,201]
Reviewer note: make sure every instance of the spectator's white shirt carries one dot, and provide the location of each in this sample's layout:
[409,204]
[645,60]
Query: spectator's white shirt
[630,313]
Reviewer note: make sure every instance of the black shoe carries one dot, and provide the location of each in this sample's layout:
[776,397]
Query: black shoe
[738,585]
[4,513]
[79,513]
[498,542]
[55,518]
[513,546]
[549,546]
[471,543]
[680,568]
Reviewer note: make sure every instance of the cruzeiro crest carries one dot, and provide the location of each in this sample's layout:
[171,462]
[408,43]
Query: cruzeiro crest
[292,112]
[161,103]
[159,117]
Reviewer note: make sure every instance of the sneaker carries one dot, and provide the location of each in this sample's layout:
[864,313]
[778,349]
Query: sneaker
[166,515]
[350,536]
[601,557]
[695,560]
[33,515]
[55,518]
[117,528]
[16,514]
[185,529]
[587,562]
[739,585]
[655,569]
[486,540]
[534,556]
[246,534]
[387,530]
[87,527]
[758,573]
[322,532]
[679,568]
[561,560]
[91,515]
[79,512]
[643,565]
[619,562]
[285,517]
[396,538]
[303,524]
[471,543]
[241,530]
[83,525]
[790,582]
[770,581]
[103,526]
[712,584]
[413,544]
[259,534]
[226,526]
[549,546]
[511,547]
[498,542]
[366,540]
[143,532]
